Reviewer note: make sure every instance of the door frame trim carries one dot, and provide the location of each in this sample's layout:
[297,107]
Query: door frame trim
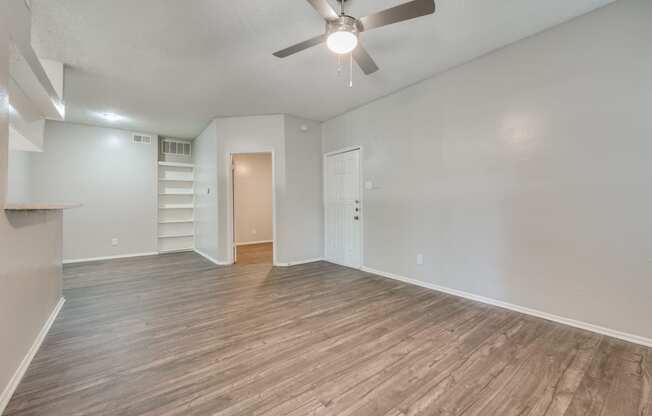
[361,194]
[230,205]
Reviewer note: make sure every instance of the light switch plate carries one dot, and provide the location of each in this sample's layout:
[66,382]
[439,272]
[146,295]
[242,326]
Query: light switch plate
[420,259]
[368,185]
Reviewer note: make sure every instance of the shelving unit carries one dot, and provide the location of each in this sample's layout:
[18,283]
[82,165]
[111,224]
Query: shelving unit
[176,207]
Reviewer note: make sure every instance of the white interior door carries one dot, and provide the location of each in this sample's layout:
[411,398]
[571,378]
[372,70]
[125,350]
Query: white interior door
[343,209]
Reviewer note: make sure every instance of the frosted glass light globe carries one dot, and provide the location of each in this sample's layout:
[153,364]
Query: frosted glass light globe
[342,42]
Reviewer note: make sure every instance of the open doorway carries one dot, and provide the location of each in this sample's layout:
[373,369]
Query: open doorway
[253,212]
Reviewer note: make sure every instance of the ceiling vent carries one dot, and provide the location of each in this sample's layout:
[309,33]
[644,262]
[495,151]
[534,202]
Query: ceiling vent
[141,139]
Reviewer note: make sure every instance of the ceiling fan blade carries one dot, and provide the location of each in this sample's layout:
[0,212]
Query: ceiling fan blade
[364,60]
[300,46]
[324,8]
[406,11]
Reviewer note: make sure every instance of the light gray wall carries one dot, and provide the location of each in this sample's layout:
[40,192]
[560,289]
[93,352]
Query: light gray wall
[248,135]
[523,176]
[205,159]
[18,176]
[303,215]
[113,178]
[299,234]
[30,254]
[252,181]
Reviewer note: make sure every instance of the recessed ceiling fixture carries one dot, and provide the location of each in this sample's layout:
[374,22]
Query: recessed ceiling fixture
[342,30]
[111,116]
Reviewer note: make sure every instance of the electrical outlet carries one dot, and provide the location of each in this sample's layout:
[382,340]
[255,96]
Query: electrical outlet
[115,242]
[254,231]
[420,259]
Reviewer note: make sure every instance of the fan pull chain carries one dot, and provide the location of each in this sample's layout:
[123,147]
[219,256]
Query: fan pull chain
[339,65]
[351,70]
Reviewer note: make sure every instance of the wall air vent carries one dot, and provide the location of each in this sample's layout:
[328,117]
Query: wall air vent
[141,139]
[174,150]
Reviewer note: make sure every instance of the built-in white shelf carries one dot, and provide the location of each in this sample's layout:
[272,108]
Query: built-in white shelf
[176,250]
[190,221]
[176,236]
[176,180]
[176,205]
[177,165]
[177,193]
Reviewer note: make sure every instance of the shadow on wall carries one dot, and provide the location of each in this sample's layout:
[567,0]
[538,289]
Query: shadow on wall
[22,219]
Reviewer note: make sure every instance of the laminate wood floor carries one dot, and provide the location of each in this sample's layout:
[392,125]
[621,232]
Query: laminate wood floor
[176,335]
[262,253]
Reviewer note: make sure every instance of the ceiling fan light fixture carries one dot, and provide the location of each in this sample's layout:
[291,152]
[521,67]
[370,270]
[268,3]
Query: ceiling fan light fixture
[342,41]
[342,30]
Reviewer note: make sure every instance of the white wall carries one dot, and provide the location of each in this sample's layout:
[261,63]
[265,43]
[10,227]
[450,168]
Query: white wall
[113,178]
[18,176]
[205,159]
[252,194]
[523,176]
[303,209]
[30,255]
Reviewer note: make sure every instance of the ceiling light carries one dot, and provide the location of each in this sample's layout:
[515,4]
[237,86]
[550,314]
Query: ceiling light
[111,116]
[342,41]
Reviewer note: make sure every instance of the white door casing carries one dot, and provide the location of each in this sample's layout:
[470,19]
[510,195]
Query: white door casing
[343,208]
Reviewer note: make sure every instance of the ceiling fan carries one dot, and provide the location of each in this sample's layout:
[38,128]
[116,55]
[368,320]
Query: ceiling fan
[342,30]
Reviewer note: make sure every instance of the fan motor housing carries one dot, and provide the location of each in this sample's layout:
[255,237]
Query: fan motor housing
[344,23]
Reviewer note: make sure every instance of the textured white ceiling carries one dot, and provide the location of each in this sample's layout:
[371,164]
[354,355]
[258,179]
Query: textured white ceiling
[169,66]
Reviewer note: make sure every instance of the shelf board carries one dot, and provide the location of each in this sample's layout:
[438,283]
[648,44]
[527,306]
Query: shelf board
[189,206]
[176,250]
[175,180]
[176,221]
[177,193]
[176,236]
[177,165]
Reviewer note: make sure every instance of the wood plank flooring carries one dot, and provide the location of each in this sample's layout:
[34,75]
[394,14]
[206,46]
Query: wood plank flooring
[176,335]
[262,253]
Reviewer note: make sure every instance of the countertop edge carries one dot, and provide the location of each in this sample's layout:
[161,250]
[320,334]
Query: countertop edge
[40,206]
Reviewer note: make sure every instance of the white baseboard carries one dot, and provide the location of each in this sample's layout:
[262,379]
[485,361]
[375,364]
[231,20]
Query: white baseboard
[251,243]
[636,339]
[22,368]
[124,256]
[226,263]
[296,263]
[212,260]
